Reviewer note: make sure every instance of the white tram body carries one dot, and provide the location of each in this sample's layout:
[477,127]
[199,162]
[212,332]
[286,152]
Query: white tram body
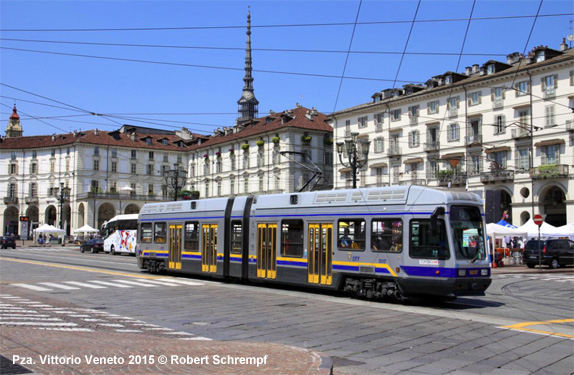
[374,242]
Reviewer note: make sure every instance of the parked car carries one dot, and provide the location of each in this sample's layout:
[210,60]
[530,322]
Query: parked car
[8,241]
[554,253]
[94,245]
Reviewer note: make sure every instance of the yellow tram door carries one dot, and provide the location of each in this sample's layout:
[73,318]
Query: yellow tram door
[174,257]
[267,251]
[319,259]
[209,248]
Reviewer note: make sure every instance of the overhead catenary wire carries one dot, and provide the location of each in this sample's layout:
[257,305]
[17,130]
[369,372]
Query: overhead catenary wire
[202,66]
[347,57]
[502,18]
[421,53]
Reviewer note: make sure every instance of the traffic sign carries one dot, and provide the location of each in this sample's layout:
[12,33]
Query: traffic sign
[538,219]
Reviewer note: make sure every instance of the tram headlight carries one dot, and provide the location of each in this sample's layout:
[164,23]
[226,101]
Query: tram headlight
[484,272]
[462,272]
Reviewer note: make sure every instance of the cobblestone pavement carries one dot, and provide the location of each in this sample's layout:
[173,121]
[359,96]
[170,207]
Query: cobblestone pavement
[49,337]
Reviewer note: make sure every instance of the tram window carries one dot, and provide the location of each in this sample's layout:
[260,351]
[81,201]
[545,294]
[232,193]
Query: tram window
[387,235]
[292,238]
[145,232]
[351,234]
[426,244]
[236,237]
[191,235]
[160,232]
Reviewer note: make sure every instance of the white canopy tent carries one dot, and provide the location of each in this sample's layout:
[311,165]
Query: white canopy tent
[86,229]
[45,228]
[546,230]
[568,228]
[498,231]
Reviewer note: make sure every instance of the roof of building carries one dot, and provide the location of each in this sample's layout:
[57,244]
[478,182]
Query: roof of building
[14,113]
[299,118]
[563,56]
[97,137]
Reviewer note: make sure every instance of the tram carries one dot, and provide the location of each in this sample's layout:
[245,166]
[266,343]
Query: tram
[388,242]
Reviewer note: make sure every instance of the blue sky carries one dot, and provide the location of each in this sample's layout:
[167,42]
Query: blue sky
[309,38]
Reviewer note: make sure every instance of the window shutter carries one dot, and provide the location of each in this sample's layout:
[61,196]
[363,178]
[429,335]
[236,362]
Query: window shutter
[411,139]
[469,101]
[543,83]
[556,81]
[492,94]
[457,103]
[382,144]
[503,120]
[479,97]
[503,93]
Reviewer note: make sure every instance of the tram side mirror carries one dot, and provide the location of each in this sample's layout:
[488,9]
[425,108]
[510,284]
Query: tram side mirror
[434,219]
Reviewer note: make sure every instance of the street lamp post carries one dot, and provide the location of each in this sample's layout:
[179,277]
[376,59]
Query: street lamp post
[357,154]
[62,197]
[176,179]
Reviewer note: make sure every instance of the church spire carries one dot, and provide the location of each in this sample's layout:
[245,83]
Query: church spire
[248,105]
[14,129]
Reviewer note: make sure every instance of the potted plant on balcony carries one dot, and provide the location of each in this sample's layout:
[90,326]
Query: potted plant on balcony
[245,146]
[275,140]
[260,143]
[548,171]
[306,139]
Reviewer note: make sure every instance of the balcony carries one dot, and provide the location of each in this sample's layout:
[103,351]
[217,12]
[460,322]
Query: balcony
[10,200]
[549,171]
[432,146]
[378,127]
[570,125]
[475,139]
[496,176]
[550,93]
[416,181]
[520,133]
[31,200]
[497,104]
[394,150]
[413,120]
[454,180]
[453,112]
[125,197]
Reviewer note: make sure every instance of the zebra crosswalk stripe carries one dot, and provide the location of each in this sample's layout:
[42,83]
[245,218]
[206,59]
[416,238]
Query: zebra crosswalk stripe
[110,284]
[135,283]
[85,285]
[158,282]
[184,282]
[33,287]
[60,286]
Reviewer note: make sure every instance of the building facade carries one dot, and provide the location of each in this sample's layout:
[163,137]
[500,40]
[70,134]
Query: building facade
[502,130]
[278,153]
[69,180]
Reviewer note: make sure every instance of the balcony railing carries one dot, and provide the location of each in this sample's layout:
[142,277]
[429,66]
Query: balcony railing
[10,200]
[413,120]
[455,180]
[498,103]
[453,112]
[496,176]
[432,146]
[416,181]
[473,139]
[394,150]
[378,126]
[550,171]
[520,132]
[570,125]
[126,197]
[31,200]
[550,93]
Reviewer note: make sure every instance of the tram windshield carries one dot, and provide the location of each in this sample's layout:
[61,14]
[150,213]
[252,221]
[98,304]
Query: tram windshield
[467,232]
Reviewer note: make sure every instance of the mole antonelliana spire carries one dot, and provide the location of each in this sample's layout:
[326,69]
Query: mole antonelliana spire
[248,105]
